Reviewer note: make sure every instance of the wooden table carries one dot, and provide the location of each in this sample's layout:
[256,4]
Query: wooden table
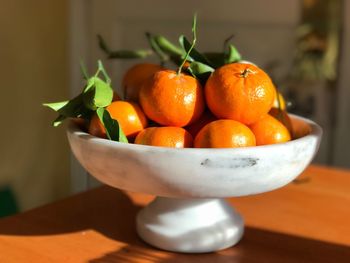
[306,221]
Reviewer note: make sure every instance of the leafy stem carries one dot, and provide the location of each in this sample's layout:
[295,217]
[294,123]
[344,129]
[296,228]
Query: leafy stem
[123,54]
[227,41]
[156,48]
[194,25]
[84,70]
[100,68]
[113,129]
[246,72]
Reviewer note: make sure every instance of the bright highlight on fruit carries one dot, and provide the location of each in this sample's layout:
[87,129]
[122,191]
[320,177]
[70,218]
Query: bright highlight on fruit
[174,137]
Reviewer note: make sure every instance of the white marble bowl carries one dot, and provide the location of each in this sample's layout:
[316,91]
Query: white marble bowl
[187,215]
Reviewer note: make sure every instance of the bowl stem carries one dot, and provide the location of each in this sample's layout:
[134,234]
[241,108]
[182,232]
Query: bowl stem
[190,225]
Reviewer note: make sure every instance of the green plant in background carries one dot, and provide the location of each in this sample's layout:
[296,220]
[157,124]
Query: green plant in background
[311,78]
[8,204]
[318,41]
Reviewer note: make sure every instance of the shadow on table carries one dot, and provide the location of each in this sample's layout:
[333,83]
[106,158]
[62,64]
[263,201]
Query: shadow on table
[104,210]
[113,215]
[257,246]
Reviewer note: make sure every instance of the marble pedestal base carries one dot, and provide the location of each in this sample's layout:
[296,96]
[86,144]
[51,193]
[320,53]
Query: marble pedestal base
[190,225]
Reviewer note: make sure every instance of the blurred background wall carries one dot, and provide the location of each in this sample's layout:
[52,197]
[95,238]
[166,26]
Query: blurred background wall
[34,157]
[301,43]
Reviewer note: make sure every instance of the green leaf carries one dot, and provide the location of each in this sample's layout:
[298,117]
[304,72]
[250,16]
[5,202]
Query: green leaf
[103,93]
[176,60]
[85,113]
[156,48]
[217,59]
[67,108]
[84,70]
[190,47]
[227,41]
[113,129]
[194,54]
[97,93]
[122,54]
[232,55]
[56,106]
[130,54]
[90,84]
[58,121]
[72,108]
[167,47]
[102,44]
[104,72]
[200,71]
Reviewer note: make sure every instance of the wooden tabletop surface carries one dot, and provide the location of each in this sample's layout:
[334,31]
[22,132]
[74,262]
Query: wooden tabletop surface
[306,221]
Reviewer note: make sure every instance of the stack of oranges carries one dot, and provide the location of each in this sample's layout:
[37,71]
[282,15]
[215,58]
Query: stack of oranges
[238,106]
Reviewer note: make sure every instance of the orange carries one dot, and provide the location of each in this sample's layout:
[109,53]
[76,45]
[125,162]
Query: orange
[269,130]
[135,77]
[129,116]
[241,92]
[165,136]
[279,101]
[282,116]
[172,99]
[224,134]
[203,120]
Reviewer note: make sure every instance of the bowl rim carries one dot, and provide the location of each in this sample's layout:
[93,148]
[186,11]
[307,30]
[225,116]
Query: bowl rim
[315,132]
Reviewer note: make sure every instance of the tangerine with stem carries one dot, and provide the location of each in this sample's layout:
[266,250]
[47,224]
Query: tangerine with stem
[241,92]
[173,98]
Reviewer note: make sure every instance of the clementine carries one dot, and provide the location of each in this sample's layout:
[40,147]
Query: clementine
[269,130]
[283,117]
[129,116]
[241,92]
[224,134]
[135,77]
[165,136]
[172,99]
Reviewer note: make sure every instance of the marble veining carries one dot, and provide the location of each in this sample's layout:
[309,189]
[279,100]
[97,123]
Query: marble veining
[230,163]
